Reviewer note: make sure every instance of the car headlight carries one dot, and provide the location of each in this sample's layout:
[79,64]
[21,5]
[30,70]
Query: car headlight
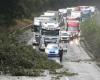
[76,33]
[43,45]
[46,51]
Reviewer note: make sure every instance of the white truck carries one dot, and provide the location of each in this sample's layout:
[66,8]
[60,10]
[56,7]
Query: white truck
[69,10]
[49,34]
[76,15]
[54,15]
[93,9]
[36,28]
[86,12]
[51,14]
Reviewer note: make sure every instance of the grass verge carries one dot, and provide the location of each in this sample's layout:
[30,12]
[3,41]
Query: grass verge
[63,73]
[91,33]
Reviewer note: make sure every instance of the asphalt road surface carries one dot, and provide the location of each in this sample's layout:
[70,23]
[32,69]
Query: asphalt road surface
[77,60]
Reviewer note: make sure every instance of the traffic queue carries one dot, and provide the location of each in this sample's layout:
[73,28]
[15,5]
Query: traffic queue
[54,27]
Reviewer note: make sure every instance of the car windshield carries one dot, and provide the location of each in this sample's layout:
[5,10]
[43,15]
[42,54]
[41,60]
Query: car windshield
[50,32]
[64,34]
[52,46]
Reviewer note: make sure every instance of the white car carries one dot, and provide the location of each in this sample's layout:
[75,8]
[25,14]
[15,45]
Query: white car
[64,36]
[52,50]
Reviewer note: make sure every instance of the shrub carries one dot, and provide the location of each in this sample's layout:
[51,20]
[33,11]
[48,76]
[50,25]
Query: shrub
[19,59]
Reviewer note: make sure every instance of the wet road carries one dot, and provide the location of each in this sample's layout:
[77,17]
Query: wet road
[77,60]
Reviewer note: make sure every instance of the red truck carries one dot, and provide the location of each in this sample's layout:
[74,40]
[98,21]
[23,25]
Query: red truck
[73,27]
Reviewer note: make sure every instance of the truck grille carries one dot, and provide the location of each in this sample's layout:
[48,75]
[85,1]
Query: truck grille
[64,38]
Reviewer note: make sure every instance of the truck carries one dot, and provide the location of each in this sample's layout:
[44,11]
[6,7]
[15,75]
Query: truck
[63,14]
[86,13]
[36,28]
[49,34]
[51,14]
[73,27]
[76,15]
[69,10]
[93,9]
[54,15]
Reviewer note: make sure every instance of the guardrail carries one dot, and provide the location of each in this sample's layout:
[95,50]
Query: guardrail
[24,28]
[27,27]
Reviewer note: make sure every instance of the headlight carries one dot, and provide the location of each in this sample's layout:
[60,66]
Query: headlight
[43,45]
[76,33]
[46,51]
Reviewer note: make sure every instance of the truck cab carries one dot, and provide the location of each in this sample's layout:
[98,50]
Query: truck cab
[73,27]
[36,28]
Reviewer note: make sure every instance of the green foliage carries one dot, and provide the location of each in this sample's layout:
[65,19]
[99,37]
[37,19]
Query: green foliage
[66,73]
[19,9]
[91,32]
[19,59]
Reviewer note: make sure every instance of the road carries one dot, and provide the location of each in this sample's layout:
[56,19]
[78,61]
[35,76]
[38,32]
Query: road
[77,60]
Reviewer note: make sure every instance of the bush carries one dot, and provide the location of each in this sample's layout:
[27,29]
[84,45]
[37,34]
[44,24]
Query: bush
[19,59]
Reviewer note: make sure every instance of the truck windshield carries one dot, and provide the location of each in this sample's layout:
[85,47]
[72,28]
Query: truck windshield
[65,14]
[86,13]
[73,28]
[50,32]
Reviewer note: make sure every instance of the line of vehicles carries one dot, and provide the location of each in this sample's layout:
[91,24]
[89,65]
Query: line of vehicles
[54,27]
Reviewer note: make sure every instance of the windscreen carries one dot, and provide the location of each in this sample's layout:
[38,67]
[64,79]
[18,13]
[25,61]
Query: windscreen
[73,29]
[52,46]
[50,32]
[64,34]
[65,15]
[86,13]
